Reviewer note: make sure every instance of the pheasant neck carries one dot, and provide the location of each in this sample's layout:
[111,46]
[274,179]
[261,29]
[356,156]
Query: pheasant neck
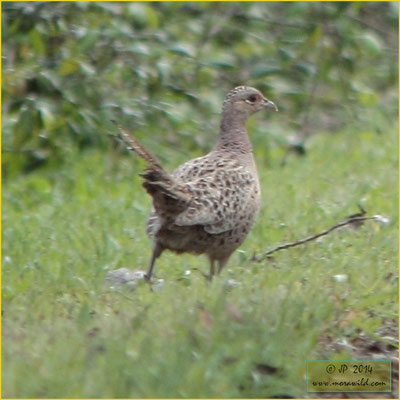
[233,135]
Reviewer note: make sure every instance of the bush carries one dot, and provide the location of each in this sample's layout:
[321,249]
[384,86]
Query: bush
[163,69]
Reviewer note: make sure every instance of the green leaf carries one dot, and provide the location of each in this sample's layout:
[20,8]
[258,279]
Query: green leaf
[68,67]
[152,17]
[371,42]
[285,54]
[38,44]
[308,70]
[182,50]
[264,70]
[368,99]
[46,115]
[220,64]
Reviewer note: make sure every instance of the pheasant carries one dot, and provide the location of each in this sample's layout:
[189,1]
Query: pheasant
[209,204]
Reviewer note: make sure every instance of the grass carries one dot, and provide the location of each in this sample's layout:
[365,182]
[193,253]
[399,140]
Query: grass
[65,334]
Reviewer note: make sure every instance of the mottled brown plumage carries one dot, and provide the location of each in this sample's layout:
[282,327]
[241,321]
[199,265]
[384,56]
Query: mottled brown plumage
[207,205]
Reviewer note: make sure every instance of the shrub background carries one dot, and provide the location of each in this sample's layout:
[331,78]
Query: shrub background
[68,68]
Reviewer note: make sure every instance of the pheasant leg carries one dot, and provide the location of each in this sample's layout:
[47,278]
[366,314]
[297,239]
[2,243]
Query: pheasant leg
[212,270]
[157,250]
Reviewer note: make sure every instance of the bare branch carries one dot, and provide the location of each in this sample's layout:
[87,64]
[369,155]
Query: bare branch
[353,220]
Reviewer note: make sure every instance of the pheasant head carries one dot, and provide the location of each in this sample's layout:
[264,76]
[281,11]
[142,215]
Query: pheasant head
[245,101]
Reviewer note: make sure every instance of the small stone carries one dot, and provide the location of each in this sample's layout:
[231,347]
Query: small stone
[382,219]
[124,276]
[232,283]
[341,278]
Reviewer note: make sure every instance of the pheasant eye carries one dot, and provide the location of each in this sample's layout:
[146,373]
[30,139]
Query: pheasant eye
[252,98]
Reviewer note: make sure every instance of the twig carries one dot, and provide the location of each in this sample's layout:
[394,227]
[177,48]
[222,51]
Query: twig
[351,220]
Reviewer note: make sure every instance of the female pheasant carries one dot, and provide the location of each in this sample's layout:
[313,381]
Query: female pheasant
[209,204]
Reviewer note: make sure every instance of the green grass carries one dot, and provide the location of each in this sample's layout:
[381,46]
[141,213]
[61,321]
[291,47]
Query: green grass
[65,334]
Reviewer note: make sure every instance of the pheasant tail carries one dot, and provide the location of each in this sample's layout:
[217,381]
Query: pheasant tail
[133,145]
[169,196]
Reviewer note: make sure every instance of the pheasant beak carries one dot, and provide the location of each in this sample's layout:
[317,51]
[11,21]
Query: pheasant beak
[269,104]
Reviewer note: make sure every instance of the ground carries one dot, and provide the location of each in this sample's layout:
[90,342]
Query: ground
[246,334]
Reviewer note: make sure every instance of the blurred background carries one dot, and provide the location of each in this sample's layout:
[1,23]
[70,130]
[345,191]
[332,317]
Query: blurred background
[162,70]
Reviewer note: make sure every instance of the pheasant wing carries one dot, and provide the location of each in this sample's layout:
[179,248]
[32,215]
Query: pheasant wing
[219,199]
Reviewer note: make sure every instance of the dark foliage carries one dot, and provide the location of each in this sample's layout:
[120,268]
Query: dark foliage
[163,68]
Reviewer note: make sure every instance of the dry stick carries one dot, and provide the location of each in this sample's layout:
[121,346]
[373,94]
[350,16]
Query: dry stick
[348,221]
